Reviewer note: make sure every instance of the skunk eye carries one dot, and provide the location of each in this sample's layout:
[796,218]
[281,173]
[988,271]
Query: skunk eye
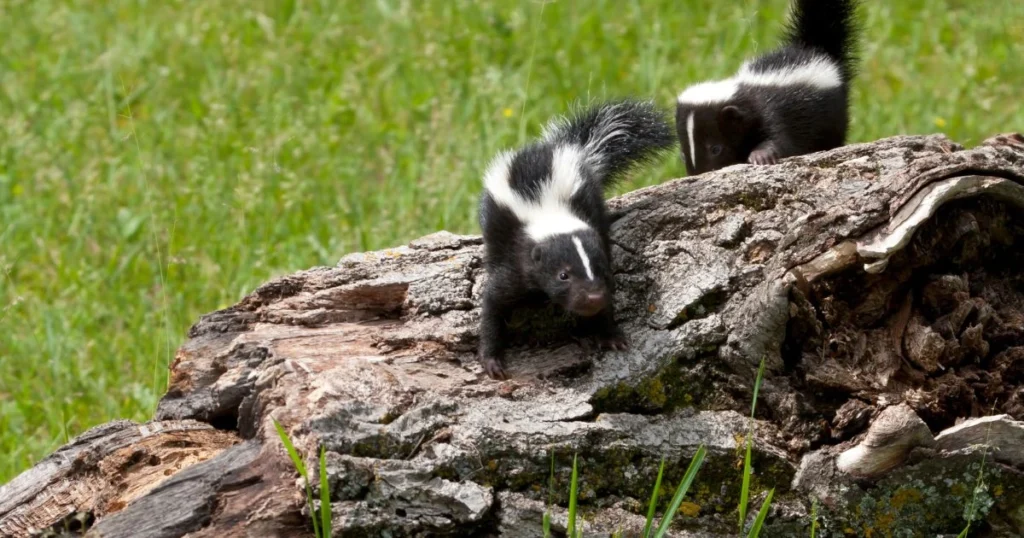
[563,276]
[716,150]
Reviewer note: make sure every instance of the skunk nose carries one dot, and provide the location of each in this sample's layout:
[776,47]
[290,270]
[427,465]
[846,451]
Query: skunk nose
[592,303]
[588,303]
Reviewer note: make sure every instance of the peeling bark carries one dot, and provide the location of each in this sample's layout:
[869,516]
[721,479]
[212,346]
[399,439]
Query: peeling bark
[880,282]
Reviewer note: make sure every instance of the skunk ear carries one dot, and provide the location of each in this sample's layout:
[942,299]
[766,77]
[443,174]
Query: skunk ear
[733,115]
[537,253]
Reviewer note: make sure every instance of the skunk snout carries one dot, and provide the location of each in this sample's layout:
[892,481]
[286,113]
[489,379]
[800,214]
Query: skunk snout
[590,303]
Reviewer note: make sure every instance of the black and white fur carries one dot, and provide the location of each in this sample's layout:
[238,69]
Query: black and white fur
[791,101]
[544,220]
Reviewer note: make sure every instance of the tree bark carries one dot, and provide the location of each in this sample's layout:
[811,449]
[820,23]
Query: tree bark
[879,282]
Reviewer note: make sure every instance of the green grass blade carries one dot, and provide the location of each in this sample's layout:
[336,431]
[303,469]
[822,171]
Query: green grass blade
[755,530]
[744,492]
[814,517]
[297,462]
[572,500]
[546,521]
[971,512]
[747,470]
[654,501]
[677,499]
[325,496]
[551,481]
[757,388]
[290,448]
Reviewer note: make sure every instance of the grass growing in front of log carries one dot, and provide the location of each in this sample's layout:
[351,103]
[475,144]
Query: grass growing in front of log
[748,469]
[161,159]
[574,530]
[322,525]
[971,511]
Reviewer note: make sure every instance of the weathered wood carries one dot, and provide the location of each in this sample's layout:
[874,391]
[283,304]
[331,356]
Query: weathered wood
[877,280]
[104,470]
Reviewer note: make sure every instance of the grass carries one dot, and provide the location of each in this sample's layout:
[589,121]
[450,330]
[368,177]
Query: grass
[748,469]
[677,499]
[762,514]
[652,506]
[161,159]
[575,530]
[971,511]
[814,517]
[322,526]
[684,486]
[573,488]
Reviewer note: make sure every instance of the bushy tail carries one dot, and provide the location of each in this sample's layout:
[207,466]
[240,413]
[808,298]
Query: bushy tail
[614,135]
[827,25]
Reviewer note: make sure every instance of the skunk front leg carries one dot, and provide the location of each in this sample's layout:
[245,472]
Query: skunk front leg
[493,334]
[766,152]
[603,329]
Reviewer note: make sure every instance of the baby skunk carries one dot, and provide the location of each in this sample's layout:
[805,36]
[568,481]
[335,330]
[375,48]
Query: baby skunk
[791,101]
[544,221]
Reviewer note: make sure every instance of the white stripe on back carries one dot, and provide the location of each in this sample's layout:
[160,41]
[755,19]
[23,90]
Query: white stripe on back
[693,147]
[583,256]
[550,214]
[821,72]
[609,127]
[566,177]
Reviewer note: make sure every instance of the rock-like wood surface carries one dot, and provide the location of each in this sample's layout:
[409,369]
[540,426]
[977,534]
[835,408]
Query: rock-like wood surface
[880,282]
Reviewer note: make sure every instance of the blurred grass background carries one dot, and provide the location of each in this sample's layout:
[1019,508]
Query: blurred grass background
[158,160]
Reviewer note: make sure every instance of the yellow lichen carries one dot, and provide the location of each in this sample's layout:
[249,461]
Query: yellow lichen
[906,496]
[884,521]
[689,509]
[655,391]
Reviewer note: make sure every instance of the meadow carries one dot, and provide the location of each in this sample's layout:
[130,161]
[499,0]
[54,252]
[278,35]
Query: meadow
[158,160]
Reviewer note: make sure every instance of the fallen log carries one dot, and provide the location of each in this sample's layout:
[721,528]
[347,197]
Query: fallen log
[879,282]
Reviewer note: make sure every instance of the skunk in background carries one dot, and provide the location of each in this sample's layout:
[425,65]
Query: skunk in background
[545,225]
[791,101]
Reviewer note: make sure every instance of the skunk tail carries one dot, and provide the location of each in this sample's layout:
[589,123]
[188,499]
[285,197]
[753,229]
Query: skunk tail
[829,26]
[615,135]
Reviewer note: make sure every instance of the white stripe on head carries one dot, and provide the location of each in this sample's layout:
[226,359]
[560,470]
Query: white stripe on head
[583,256]
[707,93]
[821,72]
[693,147]
[550,214]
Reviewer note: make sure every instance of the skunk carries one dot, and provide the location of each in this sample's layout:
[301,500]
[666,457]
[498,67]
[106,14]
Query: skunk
[544,220]
[791,101]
